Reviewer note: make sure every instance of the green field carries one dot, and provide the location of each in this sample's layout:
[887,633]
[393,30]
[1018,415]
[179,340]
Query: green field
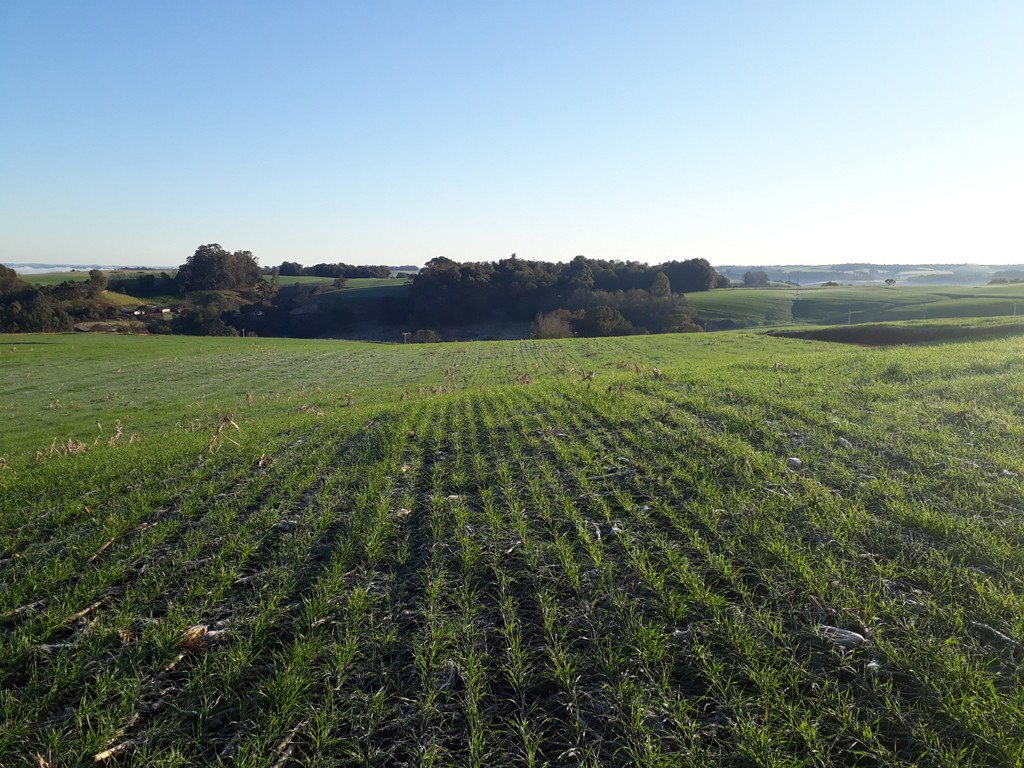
[589,552]
[55,278]
[82,275]
[764,307]
[351,283]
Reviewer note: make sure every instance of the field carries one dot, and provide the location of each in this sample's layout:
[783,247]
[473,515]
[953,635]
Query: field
[55,278]
[594,552]
[82,275]
[762,307]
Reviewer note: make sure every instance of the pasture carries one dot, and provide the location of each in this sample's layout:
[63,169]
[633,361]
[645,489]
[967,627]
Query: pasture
[708,549]
[764,307]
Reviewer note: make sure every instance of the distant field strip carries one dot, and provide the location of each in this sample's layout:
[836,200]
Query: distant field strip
[584,552]
[748,307]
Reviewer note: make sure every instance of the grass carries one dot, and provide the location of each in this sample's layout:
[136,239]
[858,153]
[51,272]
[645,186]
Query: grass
[464,568]
[352,283]
[82,275]
[751,307]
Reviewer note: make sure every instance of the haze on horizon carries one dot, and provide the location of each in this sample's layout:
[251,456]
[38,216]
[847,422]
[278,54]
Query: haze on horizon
[393,132]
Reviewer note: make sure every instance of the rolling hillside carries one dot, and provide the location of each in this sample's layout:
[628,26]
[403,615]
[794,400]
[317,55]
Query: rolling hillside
[764,307]
[709,549]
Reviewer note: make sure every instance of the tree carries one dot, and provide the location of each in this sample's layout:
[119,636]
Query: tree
[601,321]
[266,290]
[211,268]
[97,281]
[9,280]
[755,278]
[578,274]
[890,282]
[690,275]
[661,287]
[426,336]
[553,325]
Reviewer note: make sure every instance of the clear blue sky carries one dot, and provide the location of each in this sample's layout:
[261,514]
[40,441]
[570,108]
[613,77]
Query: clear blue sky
[392,132]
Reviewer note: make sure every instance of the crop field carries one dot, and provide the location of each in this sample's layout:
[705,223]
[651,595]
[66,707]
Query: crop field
[82,275]
[708,549]
[762,307]
[55,278]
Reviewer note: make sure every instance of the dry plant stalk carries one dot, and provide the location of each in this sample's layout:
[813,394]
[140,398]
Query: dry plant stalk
[287,747]
[248,397]
[100,550]
[227,422]
[117,435]
[85,611]
[66,448]
[107,754]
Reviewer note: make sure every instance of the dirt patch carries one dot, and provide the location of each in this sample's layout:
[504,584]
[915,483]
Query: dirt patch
[883,335]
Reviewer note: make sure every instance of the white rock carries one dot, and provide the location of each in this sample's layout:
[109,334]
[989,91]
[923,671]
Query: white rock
[842,638]
[842,442]
[794,463]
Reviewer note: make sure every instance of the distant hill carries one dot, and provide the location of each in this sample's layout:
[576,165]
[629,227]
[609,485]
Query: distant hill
[35,268]
[868,274]
[812,305]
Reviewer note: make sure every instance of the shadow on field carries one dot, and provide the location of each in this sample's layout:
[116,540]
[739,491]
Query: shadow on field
[883,335]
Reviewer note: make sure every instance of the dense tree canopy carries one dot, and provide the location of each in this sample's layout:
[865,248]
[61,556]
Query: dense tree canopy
[28,308]
[294,269]
[9,280]
[605,297]
[211,268]
[755,278]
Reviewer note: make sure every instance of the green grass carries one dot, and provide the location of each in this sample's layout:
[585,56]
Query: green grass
[82,275]
[746,306]
[55,278]
[352,283]
[752,307]
[374,290]
[496,559]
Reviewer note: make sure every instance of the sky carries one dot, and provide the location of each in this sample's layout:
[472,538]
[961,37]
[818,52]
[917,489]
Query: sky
[391,132]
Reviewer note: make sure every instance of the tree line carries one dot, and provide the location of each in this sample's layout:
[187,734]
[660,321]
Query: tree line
[29,308]
[227,292]
[347,271]
[592,297]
